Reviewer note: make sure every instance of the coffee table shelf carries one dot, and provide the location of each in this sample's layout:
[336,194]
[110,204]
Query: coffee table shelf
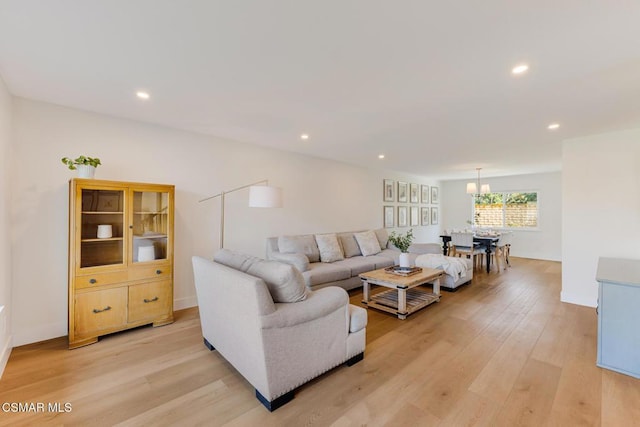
[404,297]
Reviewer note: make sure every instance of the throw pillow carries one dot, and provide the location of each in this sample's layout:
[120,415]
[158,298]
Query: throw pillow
[329,248]
[234,260]
[349,245]
[299,261]
[368,243]
[383,237]
[305,245]
[284,281]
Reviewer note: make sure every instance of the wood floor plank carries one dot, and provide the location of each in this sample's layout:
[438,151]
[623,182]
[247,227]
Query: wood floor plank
[440,395]
[472,410]
[498,376]
[178,410]
[578,398]
[530,401]
[620,399]
[378,408]
[502,350]
[554,344]
[410,414]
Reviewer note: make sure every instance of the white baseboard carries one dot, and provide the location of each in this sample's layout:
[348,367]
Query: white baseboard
[4,356]
[578,299]
[41,333]
[188,302]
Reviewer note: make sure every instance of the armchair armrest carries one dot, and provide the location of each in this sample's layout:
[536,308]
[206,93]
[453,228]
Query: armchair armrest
[318,304]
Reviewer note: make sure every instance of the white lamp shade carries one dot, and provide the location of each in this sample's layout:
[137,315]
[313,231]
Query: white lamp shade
[264,196]
[484,189]
[471,188]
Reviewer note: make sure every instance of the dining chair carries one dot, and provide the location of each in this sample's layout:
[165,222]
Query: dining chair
[506,241]
[462,244]
[500,250]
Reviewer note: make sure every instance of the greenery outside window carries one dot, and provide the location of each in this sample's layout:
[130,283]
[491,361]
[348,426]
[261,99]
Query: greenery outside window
[506,210]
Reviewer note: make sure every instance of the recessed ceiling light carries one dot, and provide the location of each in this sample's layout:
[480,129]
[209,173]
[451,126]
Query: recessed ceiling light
[519,69]
[304,136]
[381,156]
[553,126]
[142,95]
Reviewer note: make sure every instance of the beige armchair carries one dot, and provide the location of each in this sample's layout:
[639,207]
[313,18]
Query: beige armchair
[276,346]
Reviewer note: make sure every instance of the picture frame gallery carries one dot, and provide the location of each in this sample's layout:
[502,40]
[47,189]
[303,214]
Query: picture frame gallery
[411,193]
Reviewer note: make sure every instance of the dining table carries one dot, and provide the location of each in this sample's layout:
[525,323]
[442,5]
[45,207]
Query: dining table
[485,241]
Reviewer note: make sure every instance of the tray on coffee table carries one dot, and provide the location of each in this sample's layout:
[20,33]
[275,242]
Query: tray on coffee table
[403,271]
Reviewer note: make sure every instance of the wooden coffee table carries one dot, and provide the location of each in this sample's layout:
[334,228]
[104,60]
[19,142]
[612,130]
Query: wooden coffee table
[404,297]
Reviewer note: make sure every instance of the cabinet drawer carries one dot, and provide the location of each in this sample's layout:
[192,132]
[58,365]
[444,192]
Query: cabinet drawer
[100,279]
[150,272]
[100,310]
[150,300]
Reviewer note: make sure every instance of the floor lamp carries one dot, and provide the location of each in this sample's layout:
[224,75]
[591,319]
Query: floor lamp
[260,196]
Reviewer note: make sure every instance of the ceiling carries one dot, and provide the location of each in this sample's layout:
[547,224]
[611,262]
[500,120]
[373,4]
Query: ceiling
[426,83]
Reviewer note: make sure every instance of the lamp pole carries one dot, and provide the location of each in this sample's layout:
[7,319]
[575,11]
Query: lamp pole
[222,199]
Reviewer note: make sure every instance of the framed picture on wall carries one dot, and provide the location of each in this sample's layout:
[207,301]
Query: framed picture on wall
[402,192]
[424,216]
[434,195]
[389,220]
[434,216]
[413,192]
[402,216]
[388,194]
[424,193]
[415,216]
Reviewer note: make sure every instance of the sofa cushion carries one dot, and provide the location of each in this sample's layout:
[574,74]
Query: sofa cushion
[358,264]
[349,245]
[305,244]
[299,261]
[383,237]
[284,281]
[425,248]
[321,272]
[381,261]
[392,254]
[329,247]
[368,243]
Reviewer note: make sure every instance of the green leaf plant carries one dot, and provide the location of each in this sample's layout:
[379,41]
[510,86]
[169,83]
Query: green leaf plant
[82,160]
[402,241]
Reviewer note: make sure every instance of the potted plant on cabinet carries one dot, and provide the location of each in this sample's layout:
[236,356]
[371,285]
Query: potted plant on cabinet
[402,242]
[86,166]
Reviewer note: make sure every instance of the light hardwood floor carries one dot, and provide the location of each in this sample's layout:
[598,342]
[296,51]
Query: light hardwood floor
[501,351]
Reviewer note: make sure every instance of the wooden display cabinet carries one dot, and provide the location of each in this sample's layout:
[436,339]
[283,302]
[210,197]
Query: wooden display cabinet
[120,277]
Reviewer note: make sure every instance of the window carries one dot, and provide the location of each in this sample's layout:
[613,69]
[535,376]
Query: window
[506,210]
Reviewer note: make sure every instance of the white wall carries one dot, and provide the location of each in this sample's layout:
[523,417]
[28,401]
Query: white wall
[601,206]
[5,238]
[319,196]
[543,243]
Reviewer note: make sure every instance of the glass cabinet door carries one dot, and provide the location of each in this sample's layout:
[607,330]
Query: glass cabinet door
[150,225]
[102,227]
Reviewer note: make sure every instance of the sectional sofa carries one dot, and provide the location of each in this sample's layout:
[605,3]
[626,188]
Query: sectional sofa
[336,259]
